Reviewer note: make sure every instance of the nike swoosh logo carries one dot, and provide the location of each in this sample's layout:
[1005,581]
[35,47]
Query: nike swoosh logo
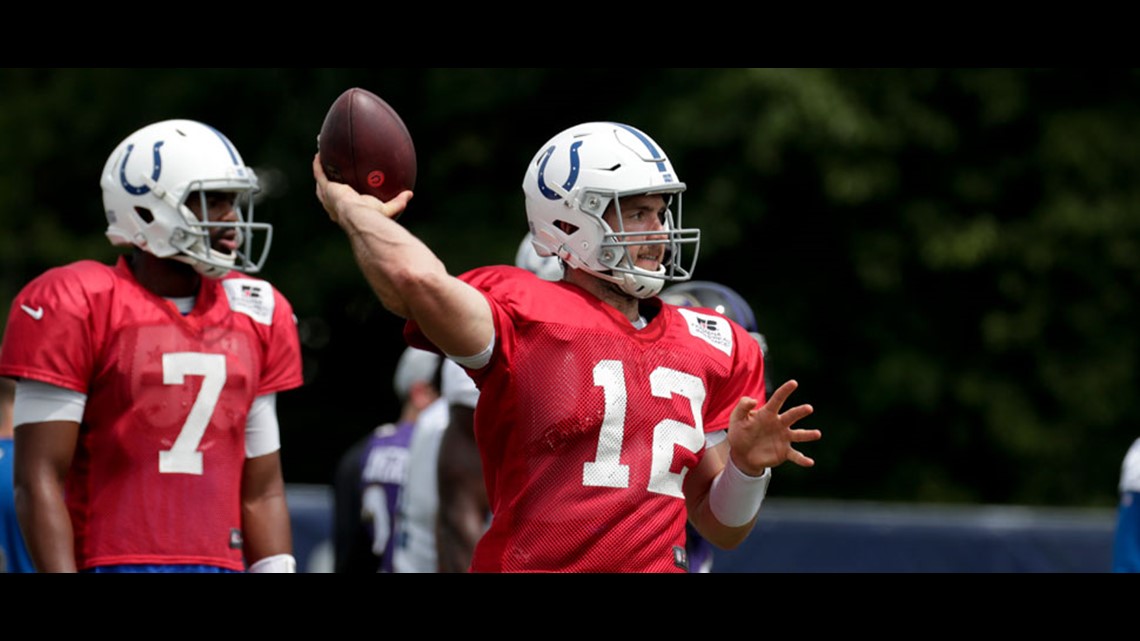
[36,313]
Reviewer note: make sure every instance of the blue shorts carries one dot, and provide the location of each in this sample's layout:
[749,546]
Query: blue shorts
[159,569]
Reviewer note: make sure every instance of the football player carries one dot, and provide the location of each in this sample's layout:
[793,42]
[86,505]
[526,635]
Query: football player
[146,435]
[417,519]
[370,475]
[1126,539]
[595,396]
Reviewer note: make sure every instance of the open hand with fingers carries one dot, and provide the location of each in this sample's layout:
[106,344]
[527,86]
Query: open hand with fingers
[761,436]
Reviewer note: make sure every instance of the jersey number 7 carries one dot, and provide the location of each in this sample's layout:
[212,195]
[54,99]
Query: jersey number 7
[183,457]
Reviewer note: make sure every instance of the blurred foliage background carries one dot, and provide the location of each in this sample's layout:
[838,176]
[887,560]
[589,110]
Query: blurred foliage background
[945,259]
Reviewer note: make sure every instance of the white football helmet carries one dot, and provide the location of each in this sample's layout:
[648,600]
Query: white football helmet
[147,179]
[546,267]
[576,175]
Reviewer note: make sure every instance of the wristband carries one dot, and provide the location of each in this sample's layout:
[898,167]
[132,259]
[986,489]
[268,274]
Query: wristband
[277,564]
[735,497]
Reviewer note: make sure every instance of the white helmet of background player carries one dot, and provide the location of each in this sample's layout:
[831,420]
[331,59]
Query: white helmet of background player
[415,366]
[147,179]
[546,267]
[580,172]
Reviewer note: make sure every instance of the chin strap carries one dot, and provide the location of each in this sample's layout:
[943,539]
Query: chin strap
[203,268]
[642,286]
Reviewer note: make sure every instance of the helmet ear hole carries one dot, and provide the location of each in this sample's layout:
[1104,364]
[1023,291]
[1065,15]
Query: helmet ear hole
[567,227]
[145,214]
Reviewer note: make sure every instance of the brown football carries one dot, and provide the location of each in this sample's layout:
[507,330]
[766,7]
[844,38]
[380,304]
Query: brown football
[365,144]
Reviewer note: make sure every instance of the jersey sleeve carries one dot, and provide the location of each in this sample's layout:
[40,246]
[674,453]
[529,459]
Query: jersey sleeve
[50,332]
[748,366]
[483,279]
[282,351]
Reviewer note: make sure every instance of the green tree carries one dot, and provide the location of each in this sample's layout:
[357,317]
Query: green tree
[944,258]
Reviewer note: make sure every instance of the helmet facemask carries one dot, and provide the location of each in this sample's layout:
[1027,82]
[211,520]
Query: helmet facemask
[194,240]
[622,266]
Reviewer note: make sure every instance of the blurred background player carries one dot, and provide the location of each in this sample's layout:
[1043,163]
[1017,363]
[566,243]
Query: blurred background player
[372,472]
[417,517]
[723,300]
[13,553]
[545,267]
[464,510]
[1126,544]
[147,437]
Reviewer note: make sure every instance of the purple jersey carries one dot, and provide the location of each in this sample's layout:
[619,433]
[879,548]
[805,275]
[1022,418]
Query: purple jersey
[383,470]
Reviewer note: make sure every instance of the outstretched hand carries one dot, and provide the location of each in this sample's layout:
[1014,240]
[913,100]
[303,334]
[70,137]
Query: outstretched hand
[762,436]
[337,197]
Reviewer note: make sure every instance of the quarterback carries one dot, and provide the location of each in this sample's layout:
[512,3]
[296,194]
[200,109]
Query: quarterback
[605,418]
[146,432]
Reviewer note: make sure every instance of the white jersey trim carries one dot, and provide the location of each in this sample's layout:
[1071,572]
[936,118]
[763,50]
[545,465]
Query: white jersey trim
[262,430]
[37,402]
[478,361]
[712,439]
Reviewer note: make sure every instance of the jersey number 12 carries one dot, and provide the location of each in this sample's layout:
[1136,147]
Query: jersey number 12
[607,470]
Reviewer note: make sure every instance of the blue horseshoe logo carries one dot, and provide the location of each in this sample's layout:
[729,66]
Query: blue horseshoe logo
[131,189]
[573,178]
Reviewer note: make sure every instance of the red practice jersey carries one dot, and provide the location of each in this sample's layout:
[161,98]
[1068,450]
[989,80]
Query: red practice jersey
[156,476]
[587,426]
